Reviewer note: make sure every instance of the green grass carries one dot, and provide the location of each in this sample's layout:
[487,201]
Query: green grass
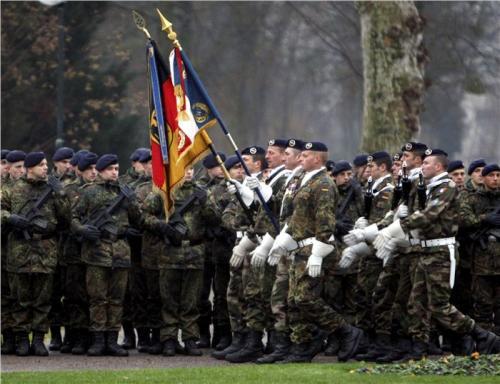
[241,374]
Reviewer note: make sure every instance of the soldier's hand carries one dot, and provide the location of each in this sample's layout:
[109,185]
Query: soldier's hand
[361,223]
[231,188]
[314,265]
[236,260]
[252,182]
[89,232]
[492,219]
[353,237]
[347,258]
[401,212]
[275,254]
[19,222]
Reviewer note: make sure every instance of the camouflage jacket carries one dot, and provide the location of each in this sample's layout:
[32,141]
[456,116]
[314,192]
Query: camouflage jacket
[108,251]
[38,254]
[291,188]
[354,208]
[473,208]
[382,190]
[130,177]
[64,179]
[439,218]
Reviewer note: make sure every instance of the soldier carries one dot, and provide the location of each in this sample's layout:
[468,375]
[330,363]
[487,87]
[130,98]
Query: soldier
[359,168]
[62,164]
[135,170]
[480,216]
[474,171]
[106,252]
[434,262]
[397,163]
[32,249]
[5,165]
[74,161]
[76,302]
[456,170]
[16,166]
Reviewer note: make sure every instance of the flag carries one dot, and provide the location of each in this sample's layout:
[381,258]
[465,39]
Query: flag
[179,116]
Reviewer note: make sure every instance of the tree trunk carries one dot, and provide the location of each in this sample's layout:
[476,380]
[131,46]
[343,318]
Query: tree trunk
[393,63]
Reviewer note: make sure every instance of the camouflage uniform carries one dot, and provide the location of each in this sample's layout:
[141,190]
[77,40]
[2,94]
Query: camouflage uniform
[33,262]
[486,261]
[430,292]
[108,260]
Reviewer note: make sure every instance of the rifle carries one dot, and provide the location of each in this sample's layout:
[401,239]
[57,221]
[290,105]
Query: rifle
[340,213]
[405,185]
[421,192]
[102,219]
[481,235]
[398,192]
[34,216]
[368,198]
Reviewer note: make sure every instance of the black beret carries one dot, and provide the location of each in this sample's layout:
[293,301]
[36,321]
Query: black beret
[32,159]
[134,156]
[315,146]
[455,164]
[476,164]
[15,155]
[231,161]
[397,156]
[341,166]
[282,143]
[360,160]
[105,161]
[86,160]
[378,155]
[210,161]
[435,152]
[144,156]
[413,146]
[76,157]
[253,150]
[490,168]
[63,153]
[5,152]
[295,144]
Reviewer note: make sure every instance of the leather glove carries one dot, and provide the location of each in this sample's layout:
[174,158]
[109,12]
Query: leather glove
[401,212]
[342,227]
[259,255]
[353,253]
[492,219]
[252,182]
[19,222]
[241,250]
[89,232]
[361,223]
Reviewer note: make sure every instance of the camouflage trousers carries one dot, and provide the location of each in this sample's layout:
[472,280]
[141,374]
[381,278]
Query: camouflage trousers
[76,300]
[257,291]
[106,289]
[369,271]
[58,314]
[205,305]
[486,299]
[307,309]
[340,291]
[279,296]
[8,301]
[461,295]
[180,292]
[32,292]
[153,299]
[134,303]
[430,296]
[236,304]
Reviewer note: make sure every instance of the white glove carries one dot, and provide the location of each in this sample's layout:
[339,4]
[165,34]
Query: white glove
[241,250]
[353,253]
[285,241]
[391,247]
[370,233]
[259,255]
[392,231]
[231,188]
[319,251]
[356,236]
[361,223]
[401,212]
[266,191]
[252,182]
[275,255]
[246,193]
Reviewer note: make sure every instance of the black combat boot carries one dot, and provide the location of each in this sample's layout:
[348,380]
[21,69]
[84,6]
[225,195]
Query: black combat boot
[270,342]
[37,346]
[281,349]
[55,338]
[349,337]
[434,345]
[252,350]
[401,347]
[128,336]
[156,346]
[191,349]
[332,345]
[462,345]
[9,342]
[419,350]
[204,327]
[225,338]
[80,342]
[169,348]
[485,340]
[69,340]
[144,340]
[112,347]
[22,344]
[238,342]
[298,353]
[380,348]
[98,344]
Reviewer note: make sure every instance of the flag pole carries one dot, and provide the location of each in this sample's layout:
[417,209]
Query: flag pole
[168,28]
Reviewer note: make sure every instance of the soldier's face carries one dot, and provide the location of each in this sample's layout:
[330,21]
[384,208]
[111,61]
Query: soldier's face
[89,174]
[376,171]
[431,167]
[237,173]
[63,167]
[292,158]
[215,172]
[110,173]
[39,172]
[476,175]
[275,156]
[310,161]
[343,178]
[458,176]
[188,174]
[396,167]
[251,165]
[17,170]
[148,168]
[139,168]
[5,168]
[412,161]
[492,180]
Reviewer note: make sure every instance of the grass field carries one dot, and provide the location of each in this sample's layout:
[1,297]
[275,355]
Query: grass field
[241,374]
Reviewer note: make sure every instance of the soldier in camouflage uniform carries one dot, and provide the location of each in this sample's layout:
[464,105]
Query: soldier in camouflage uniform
[480,216]
[456,170]
[434,261]
[76,301]
[32,250]
[106,252]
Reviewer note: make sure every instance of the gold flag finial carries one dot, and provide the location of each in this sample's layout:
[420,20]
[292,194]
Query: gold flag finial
[140,23]
[167,27]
